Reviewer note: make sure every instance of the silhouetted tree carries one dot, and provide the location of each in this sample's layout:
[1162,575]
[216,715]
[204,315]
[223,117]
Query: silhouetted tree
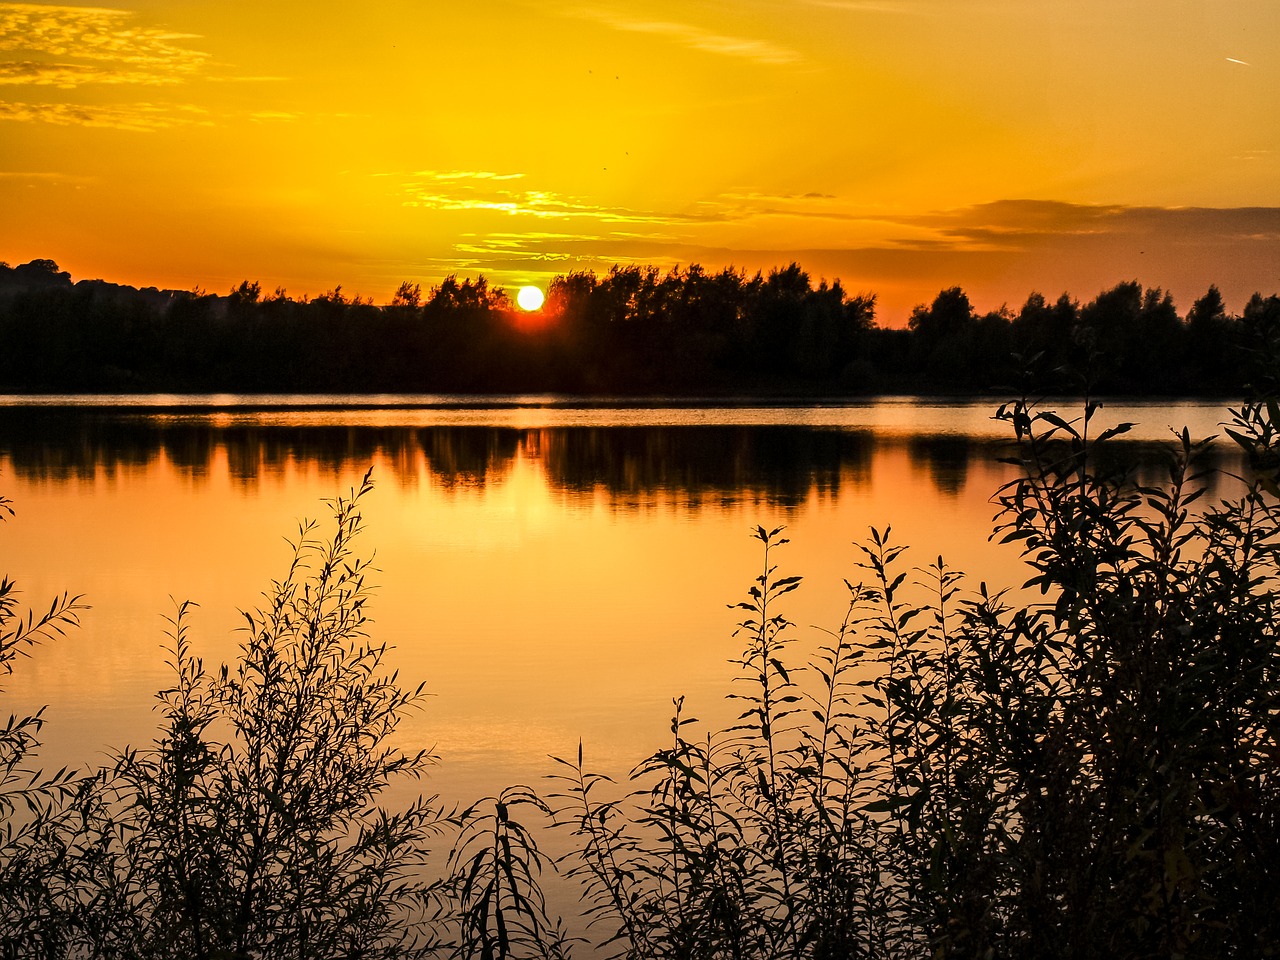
[1212,354]
[942,348]
[1131,339]
[634,330]
[1260,325]
[1046,332]
[407,295]
[950,314]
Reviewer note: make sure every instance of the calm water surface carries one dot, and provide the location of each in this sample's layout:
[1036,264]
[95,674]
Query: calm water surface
[553,570]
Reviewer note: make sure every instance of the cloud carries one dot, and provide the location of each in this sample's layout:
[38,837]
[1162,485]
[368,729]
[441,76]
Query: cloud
[869,6]
[449,175]
[998,252]
[500,254]
[138,117]
[508,255]
[1017,224]
[43,176]
[697,38]
[744,206]
[69,46]
[245,79]
[535,203]
[68,76]
[533,245]
[755,196]
[274,116]
[142,117]
[478,191]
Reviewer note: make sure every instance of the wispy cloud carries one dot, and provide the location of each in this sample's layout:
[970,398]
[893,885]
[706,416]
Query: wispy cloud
[999,252]
[142,117]
[138,117]
[869,6]
[68,76]
[274,116]
[547,253]
[758,196]
[245,79]
[752,205]
[450,175]
[541,235]
[43,176]
[489,192]
[697,38]
[533,245]
[69,46]
[1016,224]
[510,254]
[483,191]
[537,203]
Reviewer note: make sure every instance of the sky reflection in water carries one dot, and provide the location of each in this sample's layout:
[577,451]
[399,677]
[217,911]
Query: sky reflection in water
[551,572]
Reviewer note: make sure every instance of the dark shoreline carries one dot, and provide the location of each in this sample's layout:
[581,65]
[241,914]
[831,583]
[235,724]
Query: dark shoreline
[634,336]
[267,402]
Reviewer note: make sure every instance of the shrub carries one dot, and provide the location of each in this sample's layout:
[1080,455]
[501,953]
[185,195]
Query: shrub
[1089,774]
[251,828]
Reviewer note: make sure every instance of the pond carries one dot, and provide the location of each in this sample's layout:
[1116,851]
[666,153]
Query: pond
[553,570]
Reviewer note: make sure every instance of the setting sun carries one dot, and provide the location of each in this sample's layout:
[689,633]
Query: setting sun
[530,298]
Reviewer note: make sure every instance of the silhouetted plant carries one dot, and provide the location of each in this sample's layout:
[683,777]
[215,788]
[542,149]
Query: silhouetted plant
[493,893]
[1091,774]
[31,801]
[750,842]
[604,859]
[1056,774]
[251,827]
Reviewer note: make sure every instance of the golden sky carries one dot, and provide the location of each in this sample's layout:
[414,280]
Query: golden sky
[901,146]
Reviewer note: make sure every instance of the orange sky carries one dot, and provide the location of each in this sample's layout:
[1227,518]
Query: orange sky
[899,145]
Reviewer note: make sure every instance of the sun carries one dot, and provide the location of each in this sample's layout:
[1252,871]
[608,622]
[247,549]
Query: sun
[529,298]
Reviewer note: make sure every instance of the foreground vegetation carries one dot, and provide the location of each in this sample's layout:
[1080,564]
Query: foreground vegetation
[634,330]
[1085,767]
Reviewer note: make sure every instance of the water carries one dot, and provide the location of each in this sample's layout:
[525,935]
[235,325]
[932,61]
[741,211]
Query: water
[553,570]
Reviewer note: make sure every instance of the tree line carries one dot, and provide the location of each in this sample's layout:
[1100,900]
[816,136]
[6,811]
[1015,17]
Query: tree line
[634,330]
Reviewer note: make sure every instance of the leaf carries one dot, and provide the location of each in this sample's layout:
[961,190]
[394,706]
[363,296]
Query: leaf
[1115,431]
[885,804]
